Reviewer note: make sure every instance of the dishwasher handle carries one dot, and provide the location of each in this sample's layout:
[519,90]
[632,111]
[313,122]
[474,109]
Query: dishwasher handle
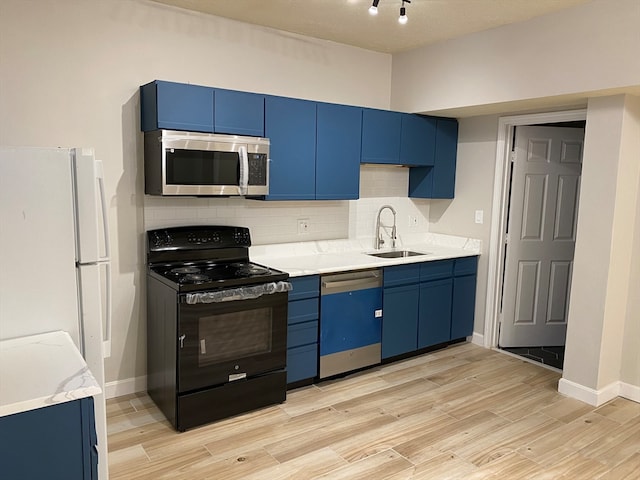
[348,282]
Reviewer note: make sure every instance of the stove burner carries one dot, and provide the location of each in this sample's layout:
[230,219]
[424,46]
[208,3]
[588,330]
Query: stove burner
[244,269]
[182,270]
[194,278]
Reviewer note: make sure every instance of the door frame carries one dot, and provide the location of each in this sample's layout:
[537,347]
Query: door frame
[499,209]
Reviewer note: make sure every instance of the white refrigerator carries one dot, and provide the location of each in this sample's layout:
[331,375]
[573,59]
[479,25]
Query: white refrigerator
[54,256]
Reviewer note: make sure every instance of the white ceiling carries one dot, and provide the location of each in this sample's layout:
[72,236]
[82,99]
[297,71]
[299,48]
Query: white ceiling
[348,22]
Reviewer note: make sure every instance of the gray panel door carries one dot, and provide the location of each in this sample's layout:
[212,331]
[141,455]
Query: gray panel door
[541,236]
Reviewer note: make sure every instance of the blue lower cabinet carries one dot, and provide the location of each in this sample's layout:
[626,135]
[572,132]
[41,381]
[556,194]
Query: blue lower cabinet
[304,333]
[427,304]
[302,330]
[56,442]
[302,363]
[400,319]
[434,319]
[464,304]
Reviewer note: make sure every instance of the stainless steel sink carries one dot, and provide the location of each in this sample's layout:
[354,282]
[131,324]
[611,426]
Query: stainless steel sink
[397,254]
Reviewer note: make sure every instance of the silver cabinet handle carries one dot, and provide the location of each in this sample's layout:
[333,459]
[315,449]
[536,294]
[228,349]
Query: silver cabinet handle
[181,339]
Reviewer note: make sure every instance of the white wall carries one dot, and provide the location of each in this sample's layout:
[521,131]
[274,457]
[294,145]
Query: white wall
[590,47]
[602,302]
[69,76]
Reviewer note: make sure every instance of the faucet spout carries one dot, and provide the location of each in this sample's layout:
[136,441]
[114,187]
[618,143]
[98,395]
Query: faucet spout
[379,227]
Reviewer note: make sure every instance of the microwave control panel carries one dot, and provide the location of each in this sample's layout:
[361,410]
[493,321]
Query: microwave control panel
[258,169]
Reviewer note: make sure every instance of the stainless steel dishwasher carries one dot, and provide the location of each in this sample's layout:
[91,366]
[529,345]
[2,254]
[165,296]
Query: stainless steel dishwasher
[350,321]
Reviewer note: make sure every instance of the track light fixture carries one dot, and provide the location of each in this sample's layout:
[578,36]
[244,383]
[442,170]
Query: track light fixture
[402,19]
[373,10]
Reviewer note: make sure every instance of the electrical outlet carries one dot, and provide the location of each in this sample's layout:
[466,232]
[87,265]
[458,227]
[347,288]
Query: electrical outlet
[303,226]
[413,221]
[480,216]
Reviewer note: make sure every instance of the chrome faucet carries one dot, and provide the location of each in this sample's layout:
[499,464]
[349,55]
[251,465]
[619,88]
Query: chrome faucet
[379,241]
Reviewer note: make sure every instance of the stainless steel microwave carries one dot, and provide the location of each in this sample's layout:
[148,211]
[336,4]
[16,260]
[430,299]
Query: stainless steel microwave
[205,164]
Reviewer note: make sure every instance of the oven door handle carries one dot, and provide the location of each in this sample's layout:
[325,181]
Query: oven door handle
[241,293]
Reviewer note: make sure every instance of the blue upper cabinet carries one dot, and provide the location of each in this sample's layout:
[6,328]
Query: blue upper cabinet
[381,136]
[417,140]
[290,124]
[176,106]
[338,152]
[438,181]
[239,113]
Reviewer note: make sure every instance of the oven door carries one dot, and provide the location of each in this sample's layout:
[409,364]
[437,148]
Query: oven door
[227,341]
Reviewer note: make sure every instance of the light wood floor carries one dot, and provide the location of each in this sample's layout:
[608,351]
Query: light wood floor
[460,413]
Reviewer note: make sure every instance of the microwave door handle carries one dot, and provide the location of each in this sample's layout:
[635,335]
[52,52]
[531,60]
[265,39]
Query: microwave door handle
[244,170]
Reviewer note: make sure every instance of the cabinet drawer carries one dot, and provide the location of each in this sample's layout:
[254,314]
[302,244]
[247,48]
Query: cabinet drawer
[303,311]
[436,270]
[302,363]
[401,275]
[304,287]
[466,266]
[302,334]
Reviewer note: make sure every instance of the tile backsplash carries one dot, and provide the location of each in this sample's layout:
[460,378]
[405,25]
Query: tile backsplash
[277,222]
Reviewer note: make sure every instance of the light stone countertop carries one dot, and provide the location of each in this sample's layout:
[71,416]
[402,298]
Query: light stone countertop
[42,370]
[328,256]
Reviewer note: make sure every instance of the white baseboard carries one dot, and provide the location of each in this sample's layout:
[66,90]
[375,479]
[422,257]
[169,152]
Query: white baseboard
[631,392]
[125,387]
[478,339]
[598,397]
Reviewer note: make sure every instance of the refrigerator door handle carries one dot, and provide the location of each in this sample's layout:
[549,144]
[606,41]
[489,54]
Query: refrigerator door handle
[106,342]
[102,198]
[103,206]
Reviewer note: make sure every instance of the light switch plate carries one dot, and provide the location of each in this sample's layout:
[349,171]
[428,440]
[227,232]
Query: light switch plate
[480,216]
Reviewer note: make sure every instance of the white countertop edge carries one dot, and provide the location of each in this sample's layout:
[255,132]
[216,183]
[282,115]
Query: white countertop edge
[42,370]
[311,258]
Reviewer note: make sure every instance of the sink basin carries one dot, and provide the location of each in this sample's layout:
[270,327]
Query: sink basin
[397,254]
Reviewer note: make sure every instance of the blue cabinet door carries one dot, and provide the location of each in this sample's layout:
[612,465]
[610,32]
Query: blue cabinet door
[239,113]
[400,320]
[438,181]
[176,106]
[290,124]
[444,171]
[434,323]
[50,442]
[417,140]
[464,304]
[338,152]
[302,363]
[381,136]
[302,331]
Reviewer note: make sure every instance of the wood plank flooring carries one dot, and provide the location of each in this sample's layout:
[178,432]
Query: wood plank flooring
[463,412]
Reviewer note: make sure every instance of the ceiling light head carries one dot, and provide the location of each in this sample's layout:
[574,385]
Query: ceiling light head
[403,16]
[373,9]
